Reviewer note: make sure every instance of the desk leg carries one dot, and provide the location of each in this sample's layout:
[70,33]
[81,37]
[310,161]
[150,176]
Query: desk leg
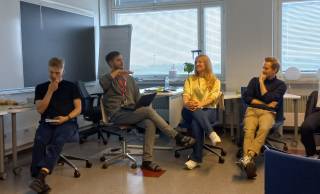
[295,109]
[16,169]
[232,119]
[3,174]
[237,119]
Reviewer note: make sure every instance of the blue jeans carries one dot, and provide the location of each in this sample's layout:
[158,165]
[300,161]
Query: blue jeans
[48,143]
[200,122]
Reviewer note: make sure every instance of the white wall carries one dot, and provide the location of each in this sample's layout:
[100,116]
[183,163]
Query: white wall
[249,32]
[10,44]
[11,60]
[10,37]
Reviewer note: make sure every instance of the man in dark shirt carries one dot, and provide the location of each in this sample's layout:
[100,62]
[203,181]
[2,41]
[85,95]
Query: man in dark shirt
[60,101]
[263,97]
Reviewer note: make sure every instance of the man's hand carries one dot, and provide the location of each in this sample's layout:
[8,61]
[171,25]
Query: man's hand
[120,72]
[256,101]
[53,86]
[61,120]
[262,77]
[272,104]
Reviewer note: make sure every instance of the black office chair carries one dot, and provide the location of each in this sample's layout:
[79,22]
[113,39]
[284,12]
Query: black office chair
[207,147]
[91,112]
[310,108]
[64,158]
[279,120]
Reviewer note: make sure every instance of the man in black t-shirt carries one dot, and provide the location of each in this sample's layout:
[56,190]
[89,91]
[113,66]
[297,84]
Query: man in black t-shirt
[59,103]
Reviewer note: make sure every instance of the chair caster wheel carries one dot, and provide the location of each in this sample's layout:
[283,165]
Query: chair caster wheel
[76,174]
[88,164]
[223,153]
[105,166]
[176,155]
[285,148]
[102,159]
[134,165]
[221,160]
[17,170]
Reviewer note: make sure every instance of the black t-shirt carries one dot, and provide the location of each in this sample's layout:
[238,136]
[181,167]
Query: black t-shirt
[61,103]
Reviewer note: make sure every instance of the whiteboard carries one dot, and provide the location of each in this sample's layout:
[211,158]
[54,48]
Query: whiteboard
[114,38]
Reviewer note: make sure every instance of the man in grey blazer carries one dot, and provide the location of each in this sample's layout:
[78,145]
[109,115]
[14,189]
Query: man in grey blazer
[121,94]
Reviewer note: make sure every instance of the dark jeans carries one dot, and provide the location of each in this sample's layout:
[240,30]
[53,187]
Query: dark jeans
[200,123]
[310,126]
[48,143]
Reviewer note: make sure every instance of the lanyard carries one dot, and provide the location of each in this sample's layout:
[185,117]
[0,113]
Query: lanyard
[122,84]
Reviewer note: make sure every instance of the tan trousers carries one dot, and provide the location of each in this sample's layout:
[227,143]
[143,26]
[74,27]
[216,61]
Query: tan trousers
[257,124]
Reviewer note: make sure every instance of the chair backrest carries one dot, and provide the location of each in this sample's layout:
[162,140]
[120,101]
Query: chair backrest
[105,117]
[290,174]
[86,101]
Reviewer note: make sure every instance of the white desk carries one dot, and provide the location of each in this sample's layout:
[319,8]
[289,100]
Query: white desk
[235,110]
[175,104]
[13,110]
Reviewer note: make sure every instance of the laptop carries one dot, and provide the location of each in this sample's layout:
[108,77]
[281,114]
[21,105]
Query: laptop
[145,100]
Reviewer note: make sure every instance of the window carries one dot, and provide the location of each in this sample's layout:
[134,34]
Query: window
[301,35]
[166,31]
[161,39]
[212,36]
[131,3]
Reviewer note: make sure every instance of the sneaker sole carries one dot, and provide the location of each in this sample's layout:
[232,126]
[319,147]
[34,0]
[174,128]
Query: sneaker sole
[187,168]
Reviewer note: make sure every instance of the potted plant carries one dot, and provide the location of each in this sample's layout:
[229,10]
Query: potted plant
[188,67]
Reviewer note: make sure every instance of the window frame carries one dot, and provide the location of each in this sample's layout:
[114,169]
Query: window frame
[199,5]
[277,37]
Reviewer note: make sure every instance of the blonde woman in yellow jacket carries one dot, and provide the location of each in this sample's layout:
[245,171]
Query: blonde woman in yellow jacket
[200,96]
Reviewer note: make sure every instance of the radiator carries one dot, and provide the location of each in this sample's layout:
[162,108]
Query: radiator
[288,111]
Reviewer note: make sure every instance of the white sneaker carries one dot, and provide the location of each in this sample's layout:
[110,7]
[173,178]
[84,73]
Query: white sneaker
[190,164]
[214,137]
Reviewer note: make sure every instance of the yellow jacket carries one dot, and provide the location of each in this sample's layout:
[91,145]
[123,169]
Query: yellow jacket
[195,88]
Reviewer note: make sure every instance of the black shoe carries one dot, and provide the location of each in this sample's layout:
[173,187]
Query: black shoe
[185,141]
[39,186]
[47,189]
[251,170]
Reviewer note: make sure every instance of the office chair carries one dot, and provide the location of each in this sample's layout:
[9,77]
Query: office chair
[207,147]
[279,120]
[310,108]
[91,112]
[290,174]
[124,152]
[64,158]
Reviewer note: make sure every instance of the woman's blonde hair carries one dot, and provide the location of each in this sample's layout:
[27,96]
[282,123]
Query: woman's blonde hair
[208,75]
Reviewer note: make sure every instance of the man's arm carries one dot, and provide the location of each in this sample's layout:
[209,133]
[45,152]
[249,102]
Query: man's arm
[43,104]
[73,114]
[248,95]
[263,88]
[275,95]
[106,81]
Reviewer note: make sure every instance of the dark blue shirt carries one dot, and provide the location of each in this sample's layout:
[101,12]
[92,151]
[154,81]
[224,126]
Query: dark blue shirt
[61,103]
[276,90]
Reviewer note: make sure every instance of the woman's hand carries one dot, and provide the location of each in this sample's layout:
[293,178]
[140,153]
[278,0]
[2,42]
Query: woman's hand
[193,105]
